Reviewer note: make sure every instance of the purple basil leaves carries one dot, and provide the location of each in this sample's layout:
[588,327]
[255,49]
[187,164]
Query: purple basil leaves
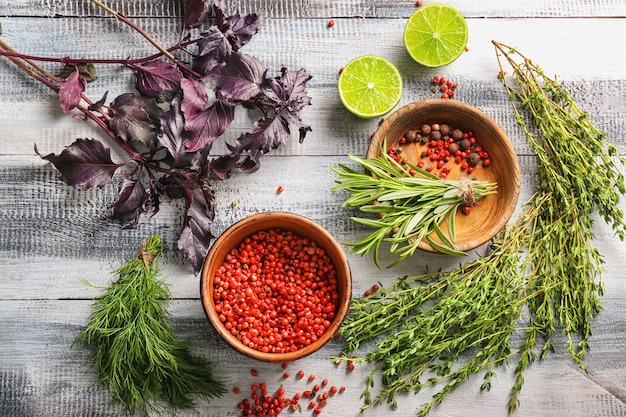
[131,202]
[267,134]
[71,90]
[158,79]
[204,123]
[196,235]
[195,12]
[289,93]
[135,118]
[213,50]
[241,78]
[236,28]
[86,163]
[168,126]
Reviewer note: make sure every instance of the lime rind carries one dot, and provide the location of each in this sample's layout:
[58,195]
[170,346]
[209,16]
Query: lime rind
[370,86]
[436,35]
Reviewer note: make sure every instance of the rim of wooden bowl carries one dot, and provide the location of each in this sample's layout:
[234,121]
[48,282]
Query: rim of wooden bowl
[494,211]
[262,221]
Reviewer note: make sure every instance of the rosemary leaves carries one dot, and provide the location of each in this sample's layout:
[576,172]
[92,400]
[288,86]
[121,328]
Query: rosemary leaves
[133,347]
[437,329]
[410,204]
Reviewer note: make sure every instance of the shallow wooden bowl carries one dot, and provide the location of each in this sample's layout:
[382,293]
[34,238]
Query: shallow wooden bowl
[494,211]
[303,227]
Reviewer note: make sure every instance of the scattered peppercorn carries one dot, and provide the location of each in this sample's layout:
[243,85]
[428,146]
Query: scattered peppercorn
[260,403]
[444,86]
[331,23]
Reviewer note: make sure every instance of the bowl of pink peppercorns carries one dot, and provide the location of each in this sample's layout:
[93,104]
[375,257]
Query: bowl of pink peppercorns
[455,140]
[276,286]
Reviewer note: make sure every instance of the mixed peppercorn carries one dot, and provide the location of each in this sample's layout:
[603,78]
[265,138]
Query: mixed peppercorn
[438,145]
[442,144]
[276,291]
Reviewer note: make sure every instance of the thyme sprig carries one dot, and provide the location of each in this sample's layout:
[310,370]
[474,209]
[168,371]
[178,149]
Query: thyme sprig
[410,203]
[439,328]
[133,346]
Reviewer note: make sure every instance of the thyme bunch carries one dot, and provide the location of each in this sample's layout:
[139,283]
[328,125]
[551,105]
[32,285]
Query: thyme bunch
[440,328]
[437,329]
[579,167]
[133,347]
[410,203]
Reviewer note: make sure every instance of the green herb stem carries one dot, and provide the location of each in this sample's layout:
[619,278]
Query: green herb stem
[409,207]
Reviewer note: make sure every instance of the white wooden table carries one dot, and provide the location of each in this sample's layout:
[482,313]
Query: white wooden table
[51,238]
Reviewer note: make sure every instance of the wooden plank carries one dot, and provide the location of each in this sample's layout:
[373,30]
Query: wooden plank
[324,9]
[53,379]
[30,114]
[51,238]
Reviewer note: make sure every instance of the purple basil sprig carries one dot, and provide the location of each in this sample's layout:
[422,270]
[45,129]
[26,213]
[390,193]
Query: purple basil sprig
[170,123]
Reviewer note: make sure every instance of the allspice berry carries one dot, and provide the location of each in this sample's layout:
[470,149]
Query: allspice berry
[444,129]
[453,147]
[464,145]
[473,159]
[435,135]
[425,129]
[457,134]
[411,136]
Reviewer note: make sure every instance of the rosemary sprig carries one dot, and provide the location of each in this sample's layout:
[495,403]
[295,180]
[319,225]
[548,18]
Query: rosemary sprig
[409,206]
[440,328]
[133,347]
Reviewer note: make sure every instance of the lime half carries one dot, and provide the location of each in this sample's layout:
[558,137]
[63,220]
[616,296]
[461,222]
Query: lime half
[370,86]
[435,35]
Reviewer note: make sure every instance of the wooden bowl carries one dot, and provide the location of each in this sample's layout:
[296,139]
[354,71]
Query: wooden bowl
[301,226]
[492,212]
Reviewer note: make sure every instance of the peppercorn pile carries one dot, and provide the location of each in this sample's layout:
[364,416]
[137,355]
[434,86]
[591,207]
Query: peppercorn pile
[444,144]
[277,291]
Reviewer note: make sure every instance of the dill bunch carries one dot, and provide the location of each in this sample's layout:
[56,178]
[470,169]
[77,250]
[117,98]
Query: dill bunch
[133,346]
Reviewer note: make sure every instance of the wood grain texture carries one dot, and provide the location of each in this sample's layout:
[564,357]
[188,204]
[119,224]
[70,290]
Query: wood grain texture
[322,8]
[51,239]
